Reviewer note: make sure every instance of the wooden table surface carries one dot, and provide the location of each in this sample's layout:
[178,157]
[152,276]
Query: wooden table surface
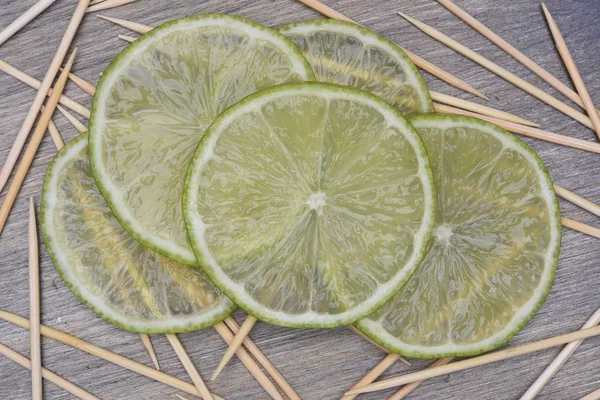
[319,364]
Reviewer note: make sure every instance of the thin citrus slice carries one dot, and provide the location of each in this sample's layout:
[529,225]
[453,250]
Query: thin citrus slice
[348,54]
[122,281]
[154,102]
[493,255]
[309,204]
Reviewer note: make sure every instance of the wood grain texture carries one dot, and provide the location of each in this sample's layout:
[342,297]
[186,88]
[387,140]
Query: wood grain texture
[319,364]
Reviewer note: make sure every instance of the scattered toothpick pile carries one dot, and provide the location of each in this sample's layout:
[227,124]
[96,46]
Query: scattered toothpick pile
[229,330]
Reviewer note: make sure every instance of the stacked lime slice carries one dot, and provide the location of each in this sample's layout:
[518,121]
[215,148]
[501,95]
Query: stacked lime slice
[154,102]
[347,54]
[309,205]
[124,282]
[494,252]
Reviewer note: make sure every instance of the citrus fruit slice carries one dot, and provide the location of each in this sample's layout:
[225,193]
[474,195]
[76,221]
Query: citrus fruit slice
[122,281]
[309,204]
[154,102]
[493,255]
[347,54]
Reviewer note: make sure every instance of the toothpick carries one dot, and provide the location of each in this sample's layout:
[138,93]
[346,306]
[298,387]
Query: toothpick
[180,397]
[580,227]
[83,84]
[129,39]
[24,19]
[55,134]
[249,363]
[107,355]
[525,130]
[264,361]
[150,349]
[94,2]
[577,200]
[558,362]
[478,108]
[105,5]
[375,373]
[478,361]
[34,83]
[567,58]
[189,366]
[503,73]
[368,339]
[74,121]
[595,395]
[34,306]
[515,53]
[235,344]
[17,146]
[34,143]
[406,389]
[133,26]
[46,374]
[443,74]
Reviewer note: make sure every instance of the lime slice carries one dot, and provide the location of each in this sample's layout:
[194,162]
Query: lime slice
[122,281]
[309,204]
[348,54]
[154,102]
[494,251]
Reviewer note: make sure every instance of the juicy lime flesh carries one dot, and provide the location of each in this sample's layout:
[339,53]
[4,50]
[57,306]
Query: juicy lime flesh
[154,103]
[310,202]
[347,54]
[123,281]
[493,253]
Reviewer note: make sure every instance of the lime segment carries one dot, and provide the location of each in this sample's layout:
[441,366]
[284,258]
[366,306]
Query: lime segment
[348,54]
[494,251]
[154,102]
[309,204]
[125,283]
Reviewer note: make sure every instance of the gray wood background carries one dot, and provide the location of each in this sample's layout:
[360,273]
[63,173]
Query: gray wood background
[320,364]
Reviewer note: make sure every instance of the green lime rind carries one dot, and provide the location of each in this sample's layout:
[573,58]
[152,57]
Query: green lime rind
[376,331]
[165,246]
[208,263]
[367,38]
[76,151]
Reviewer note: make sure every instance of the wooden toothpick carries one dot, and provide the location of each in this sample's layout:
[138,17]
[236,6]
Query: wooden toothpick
[55,134]
[34,143]
[105,5]
[34,306]
[133,26]
[150,349]
[264,361]
[34,83]
[74,121]
[558,362]
[567,58]
[595,395]
[581,227]
[189,366]
[478,108]
[524,130]
[83,84]
[249,363]
[24,19]
[577,200]
[235,344]
[406,389]
[375,373]
[49,375]
[36,105]
[478,361]
[126,38]
[501,72]
[107,355]
[515,53]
